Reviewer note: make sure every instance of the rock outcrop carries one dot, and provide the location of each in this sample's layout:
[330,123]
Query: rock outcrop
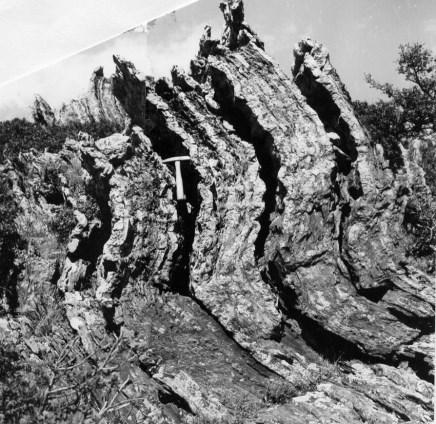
[98,105]
[281,289]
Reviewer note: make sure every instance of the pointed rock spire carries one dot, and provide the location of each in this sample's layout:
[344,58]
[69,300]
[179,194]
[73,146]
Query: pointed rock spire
[42,112]
[237,32]
[208,45]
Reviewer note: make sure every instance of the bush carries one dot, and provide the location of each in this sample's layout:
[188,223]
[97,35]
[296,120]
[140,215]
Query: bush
[280,392]
[383,122]
[420,220]
[10,243]
[20,135]
[407,110]
[428,155]
[63,223]
[50,186]
[415,104]
[21,386]
[64,386]
[36,391]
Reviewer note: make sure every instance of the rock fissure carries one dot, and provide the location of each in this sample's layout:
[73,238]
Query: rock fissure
[157,128]
[279,289]
[238,114]
[329,345]
[167,143]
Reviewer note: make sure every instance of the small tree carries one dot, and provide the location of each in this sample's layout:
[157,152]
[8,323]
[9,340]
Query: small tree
[404,115]
[407,110]
[383,121]
[416,105]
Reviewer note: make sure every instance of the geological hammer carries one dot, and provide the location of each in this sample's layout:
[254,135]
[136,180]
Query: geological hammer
[179,180]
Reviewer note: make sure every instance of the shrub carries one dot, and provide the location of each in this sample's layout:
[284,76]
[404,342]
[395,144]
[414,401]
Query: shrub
[36,391]
[428,154]
[10,243]
[383,123]
[20,135]
[415,104]
[420,220]
[64,386]
[63,223]
[20,387]
[89,207]
[407,110]
[50,186]
[280,392]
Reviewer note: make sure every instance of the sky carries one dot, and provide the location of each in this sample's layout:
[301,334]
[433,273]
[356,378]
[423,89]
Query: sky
[362,36]
[36,33]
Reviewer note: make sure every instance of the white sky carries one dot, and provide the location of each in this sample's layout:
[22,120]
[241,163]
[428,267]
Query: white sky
[36,33]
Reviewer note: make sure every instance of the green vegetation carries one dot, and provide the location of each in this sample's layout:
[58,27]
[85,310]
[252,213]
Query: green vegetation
[63,384]
[20,135]
[420,220]
[407,110]
[10,243]
[277,392]
[282,391]
[63,223]
[405,115]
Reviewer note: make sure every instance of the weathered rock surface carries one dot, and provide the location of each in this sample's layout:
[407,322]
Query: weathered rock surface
[280,290]
[379,394]
[98,105]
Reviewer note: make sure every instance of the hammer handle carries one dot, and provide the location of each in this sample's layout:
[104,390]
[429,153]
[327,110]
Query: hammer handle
[179,182]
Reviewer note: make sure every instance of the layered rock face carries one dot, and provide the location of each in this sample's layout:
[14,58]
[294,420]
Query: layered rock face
[280,290]
[98,105]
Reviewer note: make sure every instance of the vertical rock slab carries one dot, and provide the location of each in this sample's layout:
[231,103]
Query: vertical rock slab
[130,171]
[304,166]
[224,276]
[302,248]
[373,201]
[224,198]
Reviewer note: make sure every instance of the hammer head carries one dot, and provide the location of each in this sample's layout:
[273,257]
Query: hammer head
[176,159]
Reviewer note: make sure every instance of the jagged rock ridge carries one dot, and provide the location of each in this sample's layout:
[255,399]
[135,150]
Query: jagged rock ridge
[98,105]
[281,290]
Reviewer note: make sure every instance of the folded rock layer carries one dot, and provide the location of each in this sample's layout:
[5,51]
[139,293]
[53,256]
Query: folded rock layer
[279,289]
